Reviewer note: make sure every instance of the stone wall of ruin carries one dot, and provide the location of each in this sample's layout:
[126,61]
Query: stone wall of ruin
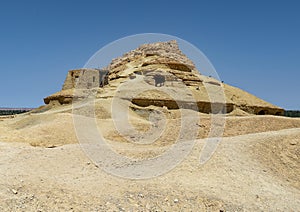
[82,79]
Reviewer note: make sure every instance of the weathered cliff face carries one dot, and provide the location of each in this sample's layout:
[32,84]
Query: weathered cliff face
[159,68]
[168,50]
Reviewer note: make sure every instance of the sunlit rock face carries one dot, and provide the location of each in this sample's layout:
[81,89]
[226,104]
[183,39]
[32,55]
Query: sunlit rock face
[167,77]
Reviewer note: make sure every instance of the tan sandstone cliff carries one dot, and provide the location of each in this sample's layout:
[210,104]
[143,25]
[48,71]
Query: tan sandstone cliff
[169,78]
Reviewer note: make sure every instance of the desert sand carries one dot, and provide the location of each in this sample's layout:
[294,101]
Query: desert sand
[255,166]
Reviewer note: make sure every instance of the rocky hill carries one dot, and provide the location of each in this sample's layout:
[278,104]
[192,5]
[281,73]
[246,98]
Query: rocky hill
[151,63]
[45,165]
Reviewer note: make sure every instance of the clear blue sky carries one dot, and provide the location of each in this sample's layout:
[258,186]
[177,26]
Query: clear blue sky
[254,45]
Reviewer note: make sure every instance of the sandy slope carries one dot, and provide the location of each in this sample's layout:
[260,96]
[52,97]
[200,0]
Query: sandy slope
[55,126]
[256,167]
[242,175]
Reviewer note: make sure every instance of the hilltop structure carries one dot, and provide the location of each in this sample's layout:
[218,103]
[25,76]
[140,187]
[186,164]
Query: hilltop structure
[86,79]
[161,65]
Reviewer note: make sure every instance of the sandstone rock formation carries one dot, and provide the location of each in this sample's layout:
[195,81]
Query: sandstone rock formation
[169,78]
[80,79]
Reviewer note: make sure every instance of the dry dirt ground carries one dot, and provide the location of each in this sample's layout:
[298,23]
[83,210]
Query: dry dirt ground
[256,167]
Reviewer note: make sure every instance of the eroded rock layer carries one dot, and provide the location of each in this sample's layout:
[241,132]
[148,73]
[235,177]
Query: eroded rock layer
[144,75]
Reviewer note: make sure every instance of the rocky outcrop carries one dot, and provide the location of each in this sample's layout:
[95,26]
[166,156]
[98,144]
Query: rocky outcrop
[168,50]
[62,97]
[158,66]
[169,63]
[202,107]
